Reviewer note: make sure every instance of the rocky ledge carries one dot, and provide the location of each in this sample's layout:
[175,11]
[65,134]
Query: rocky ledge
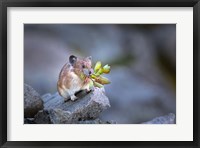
[86,109]
[51,109]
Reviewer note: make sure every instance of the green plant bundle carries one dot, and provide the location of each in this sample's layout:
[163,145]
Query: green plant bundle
[97,78]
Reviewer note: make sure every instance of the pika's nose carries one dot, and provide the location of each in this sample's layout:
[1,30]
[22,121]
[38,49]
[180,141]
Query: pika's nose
[91,71]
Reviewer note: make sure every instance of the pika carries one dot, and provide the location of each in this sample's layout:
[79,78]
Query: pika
[74,77]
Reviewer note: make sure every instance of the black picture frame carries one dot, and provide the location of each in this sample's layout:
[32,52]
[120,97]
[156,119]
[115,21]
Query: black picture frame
[99,3]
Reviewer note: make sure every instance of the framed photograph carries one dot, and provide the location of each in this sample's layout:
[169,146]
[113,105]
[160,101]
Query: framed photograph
[105,73]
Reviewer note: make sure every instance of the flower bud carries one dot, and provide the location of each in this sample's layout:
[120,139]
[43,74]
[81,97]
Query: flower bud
[103,80]
[100,71]
[106,69]
[97,66]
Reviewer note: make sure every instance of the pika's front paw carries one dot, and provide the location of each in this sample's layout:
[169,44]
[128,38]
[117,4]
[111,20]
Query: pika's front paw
[73,97]
[88,91]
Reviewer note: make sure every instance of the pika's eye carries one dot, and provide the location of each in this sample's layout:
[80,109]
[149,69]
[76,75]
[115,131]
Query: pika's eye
[83,66]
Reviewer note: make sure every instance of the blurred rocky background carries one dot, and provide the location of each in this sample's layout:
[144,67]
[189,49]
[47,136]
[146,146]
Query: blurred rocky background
[142,59]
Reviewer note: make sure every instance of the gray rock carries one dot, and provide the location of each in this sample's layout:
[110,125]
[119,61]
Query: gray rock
[97,121]
[42,117]
[29,121]
[87,107]
[167,119]
[32,102]
[46,97]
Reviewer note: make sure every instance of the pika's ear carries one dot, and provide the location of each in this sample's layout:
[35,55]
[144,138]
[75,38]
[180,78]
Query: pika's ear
[89,58]
[72,59]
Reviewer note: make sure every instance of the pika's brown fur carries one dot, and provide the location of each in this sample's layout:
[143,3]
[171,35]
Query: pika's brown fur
[74,77]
